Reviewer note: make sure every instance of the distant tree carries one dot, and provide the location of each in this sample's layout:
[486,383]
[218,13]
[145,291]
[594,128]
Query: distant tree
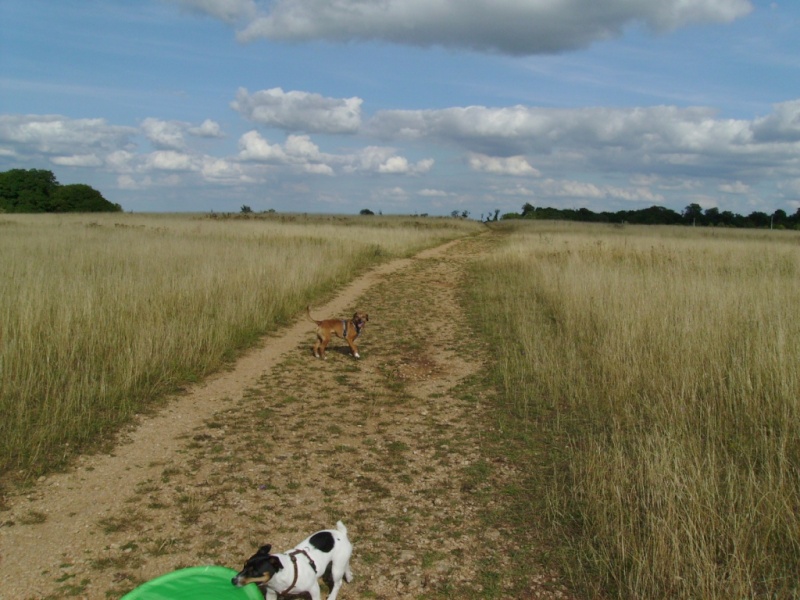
[528,209]
[245,210]
[758,219]
[366,211]
[465,214]
[37,191]
[727,218]
[780,218]
[454,214]
[79,197]
[712,216]
[693,215]
[26,190]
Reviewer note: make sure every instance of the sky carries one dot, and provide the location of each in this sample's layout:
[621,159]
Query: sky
[407,106]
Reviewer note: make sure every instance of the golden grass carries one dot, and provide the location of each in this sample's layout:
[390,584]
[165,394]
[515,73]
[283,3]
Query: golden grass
[658,372]
[101,315]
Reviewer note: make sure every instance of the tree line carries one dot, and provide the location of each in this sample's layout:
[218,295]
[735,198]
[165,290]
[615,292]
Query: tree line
[38,191]
[658,215]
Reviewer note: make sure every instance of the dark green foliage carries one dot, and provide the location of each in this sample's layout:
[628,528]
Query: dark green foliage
[37,191]
[658,215]
[80,197]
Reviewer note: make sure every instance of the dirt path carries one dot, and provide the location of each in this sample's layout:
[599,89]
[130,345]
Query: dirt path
[284,444]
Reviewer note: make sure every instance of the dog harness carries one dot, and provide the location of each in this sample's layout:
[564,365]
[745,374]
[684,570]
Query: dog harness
[293,555]
[344,328]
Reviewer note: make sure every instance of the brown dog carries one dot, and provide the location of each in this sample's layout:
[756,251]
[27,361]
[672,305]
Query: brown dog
[346,329]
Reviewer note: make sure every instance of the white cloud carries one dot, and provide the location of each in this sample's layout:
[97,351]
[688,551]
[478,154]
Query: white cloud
[127,182]
[299,111]
[430,193]
[170,135]
[593,191]
[384,160]
[735,187]
[301,146]
[512,165]
[657,140]
[519,190]
[318,169]
[394,164]
[223,171]
[165,134]
[169,160]
[121,161]
[77,160]
[783,125]
[298,151]
[59,135]
[254,147]
[207,129]
[508,26]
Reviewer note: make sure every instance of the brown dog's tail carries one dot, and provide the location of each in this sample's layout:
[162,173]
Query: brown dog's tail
[310,318]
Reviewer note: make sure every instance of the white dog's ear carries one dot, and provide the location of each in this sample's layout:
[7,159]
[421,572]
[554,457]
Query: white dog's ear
[264,549]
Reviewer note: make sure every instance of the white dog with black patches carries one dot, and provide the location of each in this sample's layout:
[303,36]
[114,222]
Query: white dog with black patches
[323,554]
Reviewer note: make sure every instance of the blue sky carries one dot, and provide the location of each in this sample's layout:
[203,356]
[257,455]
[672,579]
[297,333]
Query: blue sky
[407,106]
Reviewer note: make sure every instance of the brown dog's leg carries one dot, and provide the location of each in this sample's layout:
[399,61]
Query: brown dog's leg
[323,343]
[353,347]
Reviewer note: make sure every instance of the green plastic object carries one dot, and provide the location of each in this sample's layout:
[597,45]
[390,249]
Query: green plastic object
[195,583]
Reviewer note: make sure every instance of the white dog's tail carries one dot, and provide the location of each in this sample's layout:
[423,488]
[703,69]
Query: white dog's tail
[342,529]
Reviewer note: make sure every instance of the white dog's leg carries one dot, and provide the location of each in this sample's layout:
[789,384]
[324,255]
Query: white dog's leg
[315,592]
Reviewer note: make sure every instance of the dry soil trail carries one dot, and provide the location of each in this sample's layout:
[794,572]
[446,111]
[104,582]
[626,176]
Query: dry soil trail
[283,444]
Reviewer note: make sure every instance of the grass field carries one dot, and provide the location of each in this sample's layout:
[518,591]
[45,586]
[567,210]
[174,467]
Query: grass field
[101,315]
[651,384]
[648,377]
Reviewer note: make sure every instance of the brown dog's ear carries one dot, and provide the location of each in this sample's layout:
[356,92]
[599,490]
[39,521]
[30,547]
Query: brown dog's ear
[276,563]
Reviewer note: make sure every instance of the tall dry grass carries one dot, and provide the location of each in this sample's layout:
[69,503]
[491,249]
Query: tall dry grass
[101,315]
[657,371]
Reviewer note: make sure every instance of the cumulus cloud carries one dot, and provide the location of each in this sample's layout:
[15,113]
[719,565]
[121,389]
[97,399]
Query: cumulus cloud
[58,135]
[384,160]
[653,140]
[431,193]
[169,160]
[593,191]
[219,170]
[783,125]
[165,134]
[511,165]
[297,151]
[518,129]
[170,135]
[78,160]
[299,111]
[517,27]
[735,187]
[254,147]
[207,129]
